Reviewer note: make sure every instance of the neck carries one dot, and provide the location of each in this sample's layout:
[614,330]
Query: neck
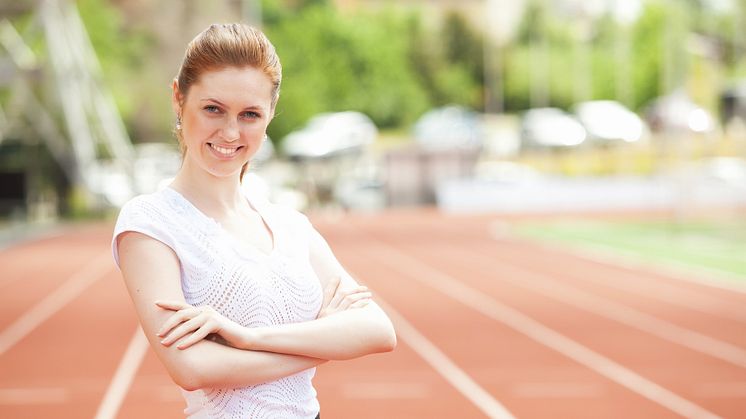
[215,196]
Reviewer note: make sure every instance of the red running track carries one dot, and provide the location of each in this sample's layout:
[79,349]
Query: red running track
[488,327]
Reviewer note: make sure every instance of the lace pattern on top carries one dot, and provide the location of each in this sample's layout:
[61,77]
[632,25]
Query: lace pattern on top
[247,286]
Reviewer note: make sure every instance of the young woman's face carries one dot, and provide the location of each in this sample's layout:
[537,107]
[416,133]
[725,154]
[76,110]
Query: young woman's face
[224,118]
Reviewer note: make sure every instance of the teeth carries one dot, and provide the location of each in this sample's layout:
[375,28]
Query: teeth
[223,150]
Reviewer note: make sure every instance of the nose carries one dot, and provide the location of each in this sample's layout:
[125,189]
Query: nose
[230,131]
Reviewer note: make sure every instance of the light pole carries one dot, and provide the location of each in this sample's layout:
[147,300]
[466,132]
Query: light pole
[491,50]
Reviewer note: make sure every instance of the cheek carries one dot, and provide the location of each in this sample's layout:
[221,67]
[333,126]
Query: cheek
[255,130]
[199,130]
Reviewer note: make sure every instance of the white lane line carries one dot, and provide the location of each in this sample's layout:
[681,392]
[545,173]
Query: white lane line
[654,288]
[521,323]
[553,289]
[123,377]
[670,269]
[59,298]
[35,396]
[444,366]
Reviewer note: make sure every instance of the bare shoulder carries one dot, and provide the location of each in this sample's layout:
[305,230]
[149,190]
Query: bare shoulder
[150,268]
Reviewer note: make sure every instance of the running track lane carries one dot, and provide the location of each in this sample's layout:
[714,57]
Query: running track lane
[64,363]
[530,379]
[676,351]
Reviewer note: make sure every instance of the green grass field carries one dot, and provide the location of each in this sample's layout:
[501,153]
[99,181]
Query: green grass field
[715,245]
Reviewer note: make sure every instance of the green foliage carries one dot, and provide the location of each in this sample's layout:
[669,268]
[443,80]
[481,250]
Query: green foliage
[122,51]
[647,47]
[392,67]
[645,55]
[382,64]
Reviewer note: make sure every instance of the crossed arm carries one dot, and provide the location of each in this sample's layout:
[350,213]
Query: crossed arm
[349,326]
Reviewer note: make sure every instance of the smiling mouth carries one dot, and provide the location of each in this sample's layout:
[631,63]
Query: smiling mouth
[225,151]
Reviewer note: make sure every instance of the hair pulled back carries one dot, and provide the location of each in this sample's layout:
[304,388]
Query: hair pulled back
[229,45]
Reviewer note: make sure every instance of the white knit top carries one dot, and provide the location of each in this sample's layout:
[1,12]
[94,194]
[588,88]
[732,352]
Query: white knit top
[247,286]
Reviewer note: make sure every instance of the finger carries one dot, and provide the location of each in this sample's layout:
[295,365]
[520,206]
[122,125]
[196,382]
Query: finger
[183,328]
[172,305]
[330,290]
[360,303]
[177,318]
[341,294]
[195,337]
[352,298]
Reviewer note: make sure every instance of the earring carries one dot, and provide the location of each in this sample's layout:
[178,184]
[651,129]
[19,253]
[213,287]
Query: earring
[265,137]
[178,122]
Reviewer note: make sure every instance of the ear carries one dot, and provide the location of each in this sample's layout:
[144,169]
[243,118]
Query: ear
[176,97]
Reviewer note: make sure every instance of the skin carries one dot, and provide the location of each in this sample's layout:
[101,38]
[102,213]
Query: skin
[231,108]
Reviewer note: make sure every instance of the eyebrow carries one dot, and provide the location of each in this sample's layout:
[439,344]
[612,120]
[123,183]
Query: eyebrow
[209,99]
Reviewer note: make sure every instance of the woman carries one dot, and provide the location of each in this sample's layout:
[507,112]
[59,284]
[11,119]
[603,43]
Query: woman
[228,287]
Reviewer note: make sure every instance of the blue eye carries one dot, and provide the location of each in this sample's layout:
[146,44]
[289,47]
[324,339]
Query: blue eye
[251,115]
[212,109]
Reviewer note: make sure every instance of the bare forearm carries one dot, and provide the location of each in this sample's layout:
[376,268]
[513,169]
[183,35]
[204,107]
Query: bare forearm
[345,335]
[212,365]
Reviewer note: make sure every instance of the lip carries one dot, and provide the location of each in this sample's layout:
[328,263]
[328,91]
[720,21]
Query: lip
[221,156]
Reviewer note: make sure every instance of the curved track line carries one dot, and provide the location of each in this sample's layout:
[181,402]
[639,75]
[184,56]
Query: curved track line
[123,377]
[656,290]
[540,333]
[46,308]
[670,269]
[445,366]
[621,313]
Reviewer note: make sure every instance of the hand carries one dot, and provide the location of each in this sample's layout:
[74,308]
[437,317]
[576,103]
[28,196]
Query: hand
[192,324]
[337,300]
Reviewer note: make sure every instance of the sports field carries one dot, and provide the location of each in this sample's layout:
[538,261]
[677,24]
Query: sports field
[490,325]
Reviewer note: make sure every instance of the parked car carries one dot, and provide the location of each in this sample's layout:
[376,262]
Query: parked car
[608,121]
[676,112]
[551,127]
[449,127]
[330,134]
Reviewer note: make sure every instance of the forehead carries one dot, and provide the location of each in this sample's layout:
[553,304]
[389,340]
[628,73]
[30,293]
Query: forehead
[234,84]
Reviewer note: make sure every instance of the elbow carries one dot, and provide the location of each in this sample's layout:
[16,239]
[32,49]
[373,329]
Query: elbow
[388,341]
[187,383]
[186,374]
[186,379]
[385,336]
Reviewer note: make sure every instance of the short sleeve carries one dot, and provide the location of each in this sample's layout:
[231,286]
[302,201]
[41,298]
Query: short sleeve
[142,216]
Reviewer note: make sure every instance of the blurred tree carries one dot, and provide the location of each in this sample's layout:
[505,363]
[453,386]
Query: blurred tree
[657,56]
[463,75]
[647,54]
[122,49]
[337,63]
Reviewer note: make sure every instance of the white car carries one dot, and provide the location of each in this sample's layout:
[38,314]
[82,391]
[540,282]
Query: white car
[551,127]
[677,113]
[608,121]
[449,127]
[330,134]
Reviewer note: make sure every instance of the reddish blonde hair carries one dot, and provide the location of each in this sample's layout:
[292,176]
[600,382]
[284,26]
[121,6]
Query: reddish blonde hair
[229,45]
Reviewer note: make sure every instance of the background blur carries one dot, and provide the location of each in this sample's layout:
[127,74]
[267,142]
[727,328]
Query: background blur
[443,97]
[532,106]
[547,197]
